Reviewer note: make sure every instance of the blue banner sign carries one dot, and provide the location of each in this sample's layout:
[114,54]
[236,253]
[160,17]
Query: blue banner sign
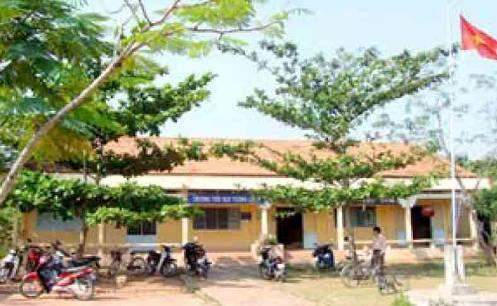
[220,198]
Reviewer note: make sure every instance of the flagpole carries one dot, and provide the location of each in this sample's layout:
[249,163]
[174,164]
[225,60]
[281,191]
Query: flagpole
[451,98]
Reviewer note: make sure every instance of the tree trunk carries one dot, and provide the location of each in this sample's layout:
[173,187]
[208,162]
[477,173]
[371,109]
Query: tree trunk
[487,247]
[15,229]
[9,181]
[83,233]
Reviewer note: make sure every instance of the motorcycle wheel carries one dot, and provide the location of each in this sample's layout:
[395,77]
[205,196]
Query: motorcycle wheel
[282,278]
[85,289]
[169,269]
[190,271]
[204,272]
[137,266]
[264,272]
[4,274]
[30,288]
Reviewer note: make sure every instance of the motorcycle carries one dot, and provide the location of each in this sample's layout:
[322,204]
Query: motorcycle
[75,260]
[33,256]
[270,266]
[162,262]
[196,261]
[9,266]
[50,276]
[324,258]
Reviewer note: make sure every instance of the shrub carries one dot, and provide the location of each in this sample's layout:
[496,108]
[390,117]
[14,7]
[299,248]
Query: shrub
[402,300]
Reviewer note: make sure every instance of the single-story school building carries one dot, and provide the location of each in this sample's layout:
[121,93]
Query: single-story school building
[234,220]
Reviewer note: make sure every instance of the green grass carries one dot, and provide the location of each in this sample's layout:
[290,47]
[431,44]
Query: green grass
[326,289]
[401,300]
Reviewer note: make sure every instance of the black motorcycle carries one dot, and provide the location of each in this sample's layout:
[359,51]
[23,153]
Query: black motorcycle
[76,260]
[270,266]
[196,261]
[162,262]
[324,257]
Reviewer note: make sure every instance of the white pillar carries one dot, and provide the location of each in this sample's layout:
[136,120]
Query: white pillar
[408,203]
[473,228]
[101,239]
[185,227]
[265,220]
[340,231]
[408,226]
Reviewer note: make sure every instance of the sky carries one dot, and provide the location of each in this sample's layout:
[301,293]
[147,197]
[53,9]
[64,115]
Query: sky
[389,25]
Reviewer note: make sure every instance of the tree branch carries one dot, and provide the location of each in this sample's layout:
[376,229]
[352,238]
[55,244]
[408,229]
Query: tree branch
[132,10]
[168,12]
[186,6]
[229,31]
[144,11]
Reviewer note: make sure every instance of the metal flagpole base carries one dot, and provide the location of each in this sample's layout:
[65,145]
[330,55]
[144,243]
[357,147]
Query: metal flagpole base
[455,278]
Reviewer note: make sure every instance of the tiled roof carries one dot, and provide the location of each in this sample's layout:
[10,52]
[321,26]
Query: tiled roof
[227,167]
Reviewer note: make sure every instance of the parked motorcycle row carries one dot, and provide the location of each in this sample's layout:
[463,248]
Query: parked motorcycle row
[195,258]
[273,267]
[52,269]
[55,270]
[47,271]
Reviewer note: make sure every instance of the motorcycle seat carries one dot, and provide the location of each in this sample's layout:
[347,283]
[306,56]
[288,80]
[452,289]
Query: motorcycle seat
[75,269]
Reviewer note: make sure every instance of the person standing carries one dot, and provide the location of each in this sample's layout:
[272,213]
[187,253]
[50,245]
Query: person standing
[379,247]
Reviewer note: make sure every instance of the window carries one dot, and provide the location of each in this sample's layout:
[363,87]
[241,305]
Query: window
[218,219]
[142,228]
[46,222]
[363,217]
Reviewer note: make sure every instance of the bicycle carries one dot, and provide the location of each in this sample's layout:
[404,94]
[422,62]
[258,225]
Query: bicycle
[359,270]
[136,265]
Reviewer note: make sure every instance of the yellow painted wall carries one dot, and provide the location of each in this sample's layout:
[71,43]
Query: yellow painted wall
[321,224]
[365,233]
[442,218]
[389,217]
[169,231]
[240,239]
[67,237]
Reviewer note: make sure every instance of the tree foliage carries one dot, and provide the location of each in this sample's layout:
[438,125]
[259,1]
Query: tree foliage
[42,66]
[328,98]
[124,205]
[87,62]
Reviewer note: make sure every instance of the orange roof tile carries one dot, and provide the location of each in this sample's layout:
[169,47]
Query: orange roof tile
[227,167]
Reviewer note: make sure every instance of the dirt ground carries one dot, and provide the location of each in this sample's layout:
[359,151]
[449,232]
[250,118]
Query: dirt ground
[153,291]
[235,284]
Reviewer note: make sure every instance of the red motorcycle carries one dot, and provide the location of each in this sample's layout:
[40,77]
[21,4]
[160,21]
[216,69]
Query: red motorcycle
[33,258]
[50,276]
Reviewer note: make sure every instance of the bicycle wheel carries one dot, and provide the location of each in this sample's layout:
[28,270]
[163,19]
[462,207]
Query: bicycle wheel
[401,282]
[137,266]
[351,275]
[386,285]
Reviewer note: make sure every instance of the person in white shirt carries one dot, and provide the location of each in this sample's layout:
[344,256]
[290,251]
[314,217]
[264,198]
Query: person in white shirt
[379,247]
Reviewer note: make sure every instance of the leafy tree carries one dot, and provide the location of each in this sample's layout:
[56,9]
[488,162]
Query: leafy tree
[189,28]
[425,120]
[329,97]
[41,65]
[122,205]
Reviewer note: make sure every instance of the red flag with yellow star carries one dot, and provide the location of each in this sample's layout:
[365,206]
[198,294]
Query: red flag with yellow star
[473,38]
